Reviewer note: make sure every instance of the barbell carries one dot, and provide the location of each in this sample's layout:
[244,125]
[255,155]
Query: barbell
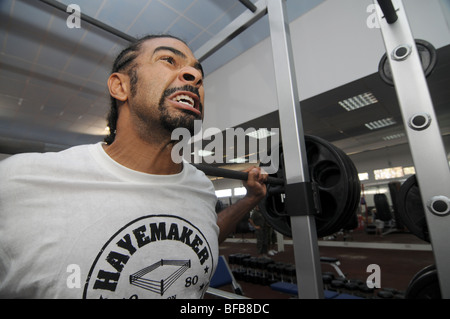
[335,184]
[227,173]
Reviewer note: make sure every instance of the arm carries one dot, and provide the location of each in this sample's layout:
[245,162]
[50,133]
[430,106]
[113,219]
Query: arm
[253,224]
[256,191]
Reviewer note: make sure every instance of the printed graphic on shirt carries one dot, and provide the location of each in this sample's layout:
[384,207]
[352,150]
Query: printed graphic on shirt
[157,256]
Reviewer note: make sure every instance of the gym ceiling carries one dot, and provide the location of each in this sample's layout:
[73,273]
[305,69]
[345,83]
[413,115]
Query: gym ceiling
[53,79]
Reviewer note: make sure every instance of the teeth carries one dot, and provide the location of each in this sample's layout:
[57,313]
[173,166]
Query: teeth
[185,99]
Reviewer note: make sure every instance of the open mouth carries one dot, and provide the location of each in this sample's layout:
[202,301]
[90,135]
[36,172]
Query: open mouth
[187,101]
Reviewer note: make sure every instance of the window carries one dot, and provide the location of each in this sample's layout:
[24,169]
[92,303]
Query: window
[409,170]
[239,191]
[223,193]
[363,176]
[388,173]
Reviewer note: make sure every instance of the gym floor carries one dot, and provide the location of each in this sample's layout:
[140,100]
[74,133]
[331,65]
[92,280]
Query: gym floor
[400,256]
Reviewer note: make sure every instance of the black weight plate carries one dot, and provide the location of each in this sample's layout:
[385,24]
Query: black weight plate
[384,70]
[382,206]
[272,206]
[333,172]
[424,286]
[421,272]
[353,223]
[348,213]
[411,210]
[428,58]
[329,171]
[355,194]
[348,216]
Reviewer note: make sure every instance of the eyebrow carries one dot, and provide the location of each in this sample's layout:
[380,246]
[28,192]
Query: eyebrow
[197,65]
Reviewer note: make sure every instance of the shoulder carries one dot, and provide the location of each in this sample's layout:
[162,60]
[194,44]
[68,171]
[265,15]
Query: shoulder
[35,163]
[198,178]
[18,162]
[193,172]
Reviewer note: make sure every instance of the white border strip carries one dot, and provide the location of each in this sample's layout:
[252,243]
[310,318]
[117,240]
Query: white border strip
[346,244]
[392,246]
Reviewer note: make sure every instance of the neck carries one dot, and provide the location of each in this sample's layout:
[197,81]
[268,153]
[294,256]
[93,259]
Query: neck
[143,156]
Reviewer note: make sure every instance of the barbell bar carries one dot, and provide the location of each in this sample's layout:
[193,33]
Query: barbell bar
[336,188]
[227,173]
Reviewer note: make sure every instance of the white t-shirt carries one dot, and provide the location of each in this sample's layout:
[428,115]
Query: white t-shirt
[76,224]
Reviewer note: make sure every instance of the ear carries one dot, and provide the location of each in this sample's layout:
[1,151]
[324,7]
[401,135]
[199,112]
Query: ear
[118,86]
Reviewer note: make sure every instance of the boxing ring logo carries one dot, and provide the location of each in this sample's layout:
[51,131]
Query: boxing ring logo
[160,286]
[137,261]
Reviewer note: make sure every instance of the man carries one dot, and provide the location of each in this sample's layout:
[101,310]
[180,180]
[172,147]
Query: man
[120,219]
[262,229]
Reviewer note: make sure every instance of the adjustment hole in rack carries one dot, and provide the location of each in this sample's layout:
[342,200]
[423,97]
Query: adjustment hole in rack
[440,206]
[401,52]
[420,121]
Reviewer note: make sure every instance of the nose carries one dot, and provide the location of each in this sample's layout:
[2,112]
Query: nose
[191,76]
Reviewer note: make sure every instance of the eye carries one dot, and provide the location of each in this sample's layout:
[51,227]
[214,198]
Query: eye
[168,59]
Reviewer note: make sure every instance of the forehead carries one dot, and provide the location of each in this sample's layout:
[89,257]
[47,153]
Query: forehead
[149,46]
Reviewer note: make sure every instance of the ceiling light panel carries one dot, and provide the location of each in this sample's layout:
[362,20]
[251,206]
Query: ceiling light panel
[376,125]
[393,137]
[358,101]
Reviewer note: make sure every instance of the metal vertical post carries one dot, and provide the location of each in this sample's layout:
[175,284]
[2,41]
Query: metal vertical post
[425,140]
[304,235]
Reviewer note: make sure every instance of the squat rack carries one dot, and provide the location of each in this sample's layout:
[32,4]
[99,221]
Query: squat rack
[417,111]
[418,114]
[304,235]
[421,125]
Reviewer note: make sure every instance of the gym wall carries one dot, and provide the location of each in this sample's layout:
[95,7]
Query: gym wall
[326,56]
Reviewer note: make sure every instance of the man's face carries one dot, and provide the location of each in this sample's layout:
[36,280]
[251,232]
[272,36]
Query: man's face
[167,86]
